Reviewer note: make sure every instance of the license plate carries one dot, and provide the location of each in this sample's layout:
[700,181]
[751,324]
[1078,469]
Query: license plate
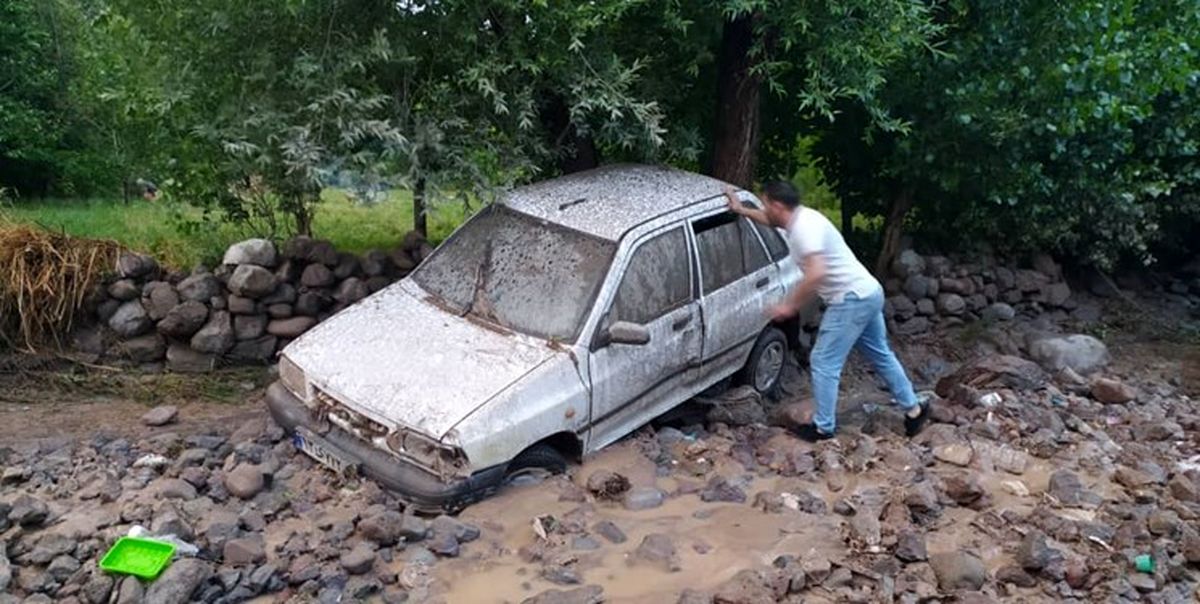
[316,448]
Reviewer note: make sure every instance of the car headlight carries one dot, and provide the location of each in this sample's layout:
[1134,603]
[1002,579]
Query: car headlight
[441,458]
[292,378]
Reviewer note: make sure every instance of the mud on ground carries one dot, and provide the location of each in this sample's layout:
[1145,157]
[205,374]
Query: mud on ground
[1028,487]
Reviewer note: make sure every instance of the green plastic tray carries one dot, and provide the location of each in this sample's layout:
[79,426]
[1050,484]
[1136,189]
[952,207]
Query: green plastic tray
[143,558]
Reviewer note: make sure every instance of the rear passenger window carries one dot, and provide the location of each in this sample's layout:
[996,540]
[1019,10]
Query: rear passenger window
[657,280]
[728,248]
[774,241]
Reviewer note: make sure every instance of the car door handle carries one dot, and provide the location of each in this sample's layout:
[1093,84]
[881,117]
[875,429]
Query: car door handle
[761,283]
[681,322]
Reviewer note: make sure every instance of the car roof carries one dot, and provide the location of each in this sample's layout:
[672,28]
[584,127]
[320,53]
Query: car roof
[609,201]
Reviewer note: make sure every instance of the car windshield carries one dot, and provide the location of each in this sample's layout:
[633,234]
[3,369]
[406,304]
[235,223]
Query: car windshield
[519,272]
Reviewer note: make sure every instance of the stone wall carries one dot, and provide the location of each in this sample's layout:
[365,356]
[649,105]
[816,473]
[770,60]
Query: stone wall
[242,312]
[925,291]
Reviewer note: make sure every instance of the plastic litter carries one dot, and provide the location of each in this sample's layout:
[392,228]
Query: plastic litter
[181,547]
[143,558]
[151,460]
[1144,563]
[990,399]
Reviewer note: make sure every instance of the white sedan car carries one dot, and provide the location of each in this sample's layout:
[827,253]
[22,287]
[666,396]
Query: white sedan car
[549,325]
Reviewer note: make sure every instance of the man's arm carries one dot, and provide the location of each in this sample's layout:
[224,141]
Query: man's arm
[814,275]
[735,206]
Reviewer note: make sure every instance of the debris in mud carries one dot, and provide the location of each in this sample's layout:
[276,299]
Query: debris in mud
[605,485]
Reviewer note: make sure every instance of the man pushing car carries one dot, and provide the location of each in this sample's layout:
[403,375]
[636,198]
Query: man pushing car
[853,317]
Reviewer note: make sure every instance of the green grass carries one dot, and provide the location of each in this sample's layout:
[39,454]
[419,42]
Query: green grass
[151,227]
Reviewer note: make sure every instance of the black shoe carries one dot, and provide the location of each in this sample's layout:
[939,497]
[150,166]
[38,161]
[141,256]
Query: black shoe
[810,433]
[914,425]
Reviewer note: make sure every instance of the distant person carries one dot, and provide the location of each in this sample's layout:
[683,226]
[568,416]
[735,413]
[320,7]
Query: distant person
[854,314]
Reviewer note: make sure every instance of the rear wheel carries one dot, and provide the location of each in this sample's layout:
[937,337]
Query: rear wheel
[536,462]
[764,368]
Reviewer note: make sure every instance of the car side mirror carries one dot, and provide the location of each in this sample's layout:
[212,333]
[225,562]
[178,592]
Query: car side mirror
[624,332]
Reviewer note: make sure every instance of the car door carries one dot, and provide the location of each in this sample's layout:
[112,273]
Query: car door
[737,282]
[633,383]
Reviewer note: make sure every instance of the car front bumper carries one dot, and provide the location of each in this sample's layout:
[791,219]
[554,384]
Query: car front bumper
[415,486]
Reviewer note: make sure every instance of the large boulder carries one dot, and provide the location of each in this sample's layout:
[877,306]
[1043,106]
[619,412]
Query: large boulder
[183,320]
[908,263]
[297,248]
[135,266]
[159,297]
[316,275]
[144,349]
[130,320]
[251,281]
[994,373]
[257,350]
[200,287]
[258,252]
[182,359]
[216,336]
[1082,353]
[1055,294]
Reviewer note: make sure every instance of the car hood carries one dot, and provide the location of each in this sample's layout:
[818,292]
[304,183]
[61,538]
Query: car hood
[400,359]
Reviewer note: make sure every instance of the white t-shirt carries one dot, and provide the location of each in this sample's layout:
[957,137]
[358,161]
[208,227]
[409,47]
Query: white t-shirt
[810,232]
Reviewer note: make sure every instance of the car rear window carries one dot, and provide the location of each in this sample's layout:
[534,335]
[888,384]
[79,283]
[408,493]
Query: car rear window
[519,272]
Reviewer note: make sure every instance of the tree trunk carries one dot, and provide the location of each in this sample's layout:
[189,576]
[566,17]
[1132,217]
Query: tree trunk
[893,231]
[735,147]
[575,152]
[420,215]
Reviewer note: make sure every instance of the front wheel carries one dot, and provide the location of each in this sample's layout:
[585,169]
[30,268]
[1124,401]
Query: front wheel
[764,368]
[535,463]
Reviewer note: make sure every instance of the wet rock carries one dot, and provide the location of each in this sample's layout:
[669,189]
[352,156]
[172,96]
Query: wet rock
[816,569]
[200,287]
[606,485]
[148,348]
[182,359]
[251,281]
[748,586]
[965,490]
[1016,576]
[993,373]
[358,560]
[1184,488]
[258,350]
[1034,554]
[178,582]
[243,551]
[720,489]
[462,531]
[443,544]
[560,575]
[259,252]
[317,275]
[133,265]
[643,498]
[351,290]
[951,304]
[28,511]
[383,528]
[910,546]
[161,415]
[958,570]
[610,531]
[290,328]
[741,406]
[245,481]
[130,591]
[657,550]
[589,594]
[959,454]
[1066,487]
[1082,353]
[130,320]
[1113,392]
[691,596]
[216,336]
[923,503]
[998,312]
[183,320]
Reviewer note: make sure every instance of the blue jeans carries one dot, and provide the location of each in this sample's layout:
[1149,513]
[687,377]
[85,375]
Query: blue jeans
[854,323]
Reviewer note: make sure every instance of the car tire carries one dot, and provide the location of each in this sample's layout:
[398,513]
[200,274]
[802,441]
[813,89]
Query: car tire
[764,367]
[541,457]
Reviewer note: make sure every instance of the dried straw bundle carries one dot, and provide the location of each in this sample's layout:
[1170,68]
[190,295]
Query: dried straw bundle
[45,278]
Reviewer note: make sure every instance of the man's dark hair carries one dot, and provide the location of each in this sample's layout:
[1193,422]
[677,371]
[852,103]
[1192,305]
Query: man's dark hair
[783,192]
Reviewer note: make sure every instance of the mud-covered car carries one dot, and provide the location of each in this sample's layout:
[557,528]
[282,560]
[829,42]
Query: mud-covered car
[549,325]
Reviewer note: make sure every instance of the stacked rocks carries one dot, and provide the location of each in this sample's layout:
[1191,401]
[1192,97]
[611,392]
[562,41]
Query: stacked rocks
[242,312]
[925,291]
